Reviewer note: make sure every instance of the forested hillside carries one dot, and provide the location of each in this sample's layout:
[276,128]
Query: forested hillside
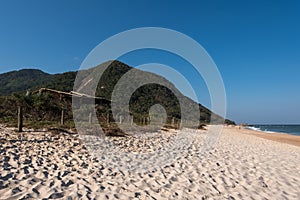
[46,107]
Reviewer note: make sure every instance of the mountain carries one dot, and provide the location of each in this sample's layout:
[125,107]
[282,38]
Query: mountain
[141,100]
[17,81]
[31,79]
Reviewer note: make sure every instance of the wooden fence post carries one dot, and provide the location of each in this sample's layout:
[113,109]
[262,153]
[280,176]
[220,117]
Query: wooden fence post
[107,118]
[20,118]
[178,124]
[131,123]
[62,119]
[90,118]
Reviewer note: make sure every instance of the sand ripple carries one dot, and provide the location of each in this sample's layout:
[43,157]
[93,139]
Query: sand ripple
[48,166]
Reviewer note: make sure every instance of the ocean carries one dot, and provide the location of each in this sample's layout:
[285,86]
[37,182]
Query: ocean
[289,129]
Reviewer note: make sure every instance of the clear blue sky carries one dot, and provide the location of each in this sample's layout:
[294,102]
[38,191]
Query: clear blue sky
[255,44]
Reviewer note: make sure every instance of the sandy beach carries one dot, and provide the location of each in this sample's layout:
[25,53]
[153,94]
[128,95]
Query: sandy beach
[45,165]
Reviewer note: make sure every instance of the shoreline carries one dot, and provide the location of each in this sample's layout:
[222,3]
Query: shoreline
[265,131]
[274,136]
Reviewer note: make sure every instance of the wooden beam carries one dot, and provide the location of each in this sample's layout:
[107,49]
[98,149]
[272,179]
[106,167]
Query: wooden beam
[70,94]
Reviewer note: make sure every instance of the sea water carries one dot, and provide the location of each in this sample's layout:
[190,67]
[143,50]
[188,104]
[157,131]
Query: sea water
[289,129]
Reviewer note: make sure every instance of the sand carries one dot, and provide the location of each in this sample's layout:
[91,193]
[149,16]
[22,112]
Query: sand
[44,165]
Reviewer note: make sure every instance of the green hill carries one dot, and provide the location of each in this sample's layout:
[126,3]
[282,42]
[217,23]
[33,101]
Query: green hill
[18,81]
[47,107]
[31,79]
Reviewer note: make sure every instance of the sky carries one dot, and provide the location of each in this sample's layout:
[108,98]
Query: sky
[255,45]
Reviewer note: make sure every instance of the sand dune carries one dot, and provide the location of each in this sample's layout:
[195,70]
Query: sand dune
[242,166]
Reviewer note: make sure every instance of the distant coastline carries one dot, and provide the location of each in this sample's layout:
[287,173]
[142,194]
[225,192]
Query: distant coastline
[291,129]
